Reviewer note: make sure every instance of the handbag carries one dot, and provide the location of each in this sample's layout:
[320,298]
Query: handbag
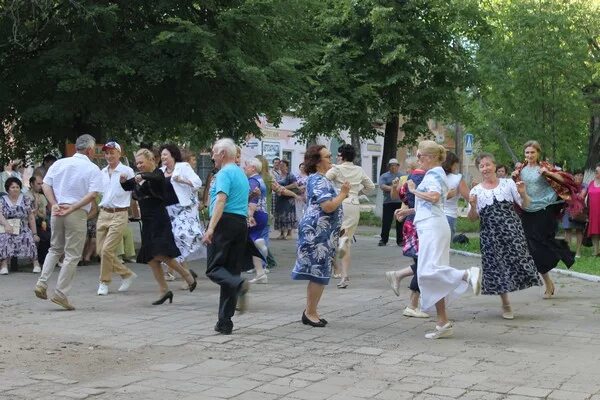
[15,224]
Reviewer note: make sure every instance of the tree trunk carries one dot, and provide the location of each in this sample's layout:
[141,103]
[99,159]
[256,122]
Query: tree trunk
[390,141]
[355,141]
[593,157]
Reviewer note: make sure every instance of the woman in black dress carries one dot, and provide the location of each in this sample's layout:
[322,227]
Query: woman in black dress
[158,244]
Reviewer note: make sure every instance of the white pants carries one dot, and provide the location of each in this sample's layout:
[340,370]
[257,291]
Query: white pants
[437,279]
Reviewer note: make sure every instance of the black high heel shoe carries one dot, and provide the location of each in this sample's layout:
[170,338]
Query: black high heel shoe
[168,295]
[192,286]
[307,321]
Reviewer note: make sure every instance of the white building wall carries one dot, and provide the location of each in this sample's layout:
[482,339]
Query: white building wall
[283,138]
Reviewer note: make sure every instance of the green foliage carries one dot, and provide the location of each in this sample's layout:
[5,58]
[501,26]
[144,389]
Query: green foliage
[368,218]
[532,69]
[156,70]
[465,225]
[384,58]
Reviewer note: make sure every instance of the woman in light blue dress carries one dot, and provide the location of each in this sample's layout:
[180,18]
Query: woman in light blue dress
[318,231]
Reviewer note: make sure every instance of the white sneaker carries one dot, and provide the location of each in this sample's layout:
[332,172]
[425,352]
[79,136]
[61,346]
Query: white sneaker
[102,289]
[441,332]
[37,269]
[409,312]
[394,281]
[4,270]
[125,283]
[263,278]
[474,280]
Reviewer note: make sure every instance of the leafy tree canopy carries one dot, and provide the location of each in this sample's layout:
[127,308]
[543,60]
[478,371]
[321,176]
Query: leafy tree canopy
[149,70]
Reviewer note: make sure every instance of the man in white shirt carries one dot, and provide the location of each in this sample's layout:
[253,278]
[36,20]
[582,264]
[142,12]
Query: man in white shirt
[70,185]
[113,219]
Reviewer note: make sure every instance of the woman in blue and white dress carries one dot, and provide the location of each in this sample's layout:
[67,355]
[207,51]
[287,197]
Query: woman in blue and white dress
[506,263]
[318,231]
[438,281]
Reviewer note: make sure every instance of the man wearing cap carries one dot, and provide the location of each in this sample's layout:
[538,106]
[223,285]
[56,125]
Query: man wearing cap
[390,205]
[113,219]
[70,185]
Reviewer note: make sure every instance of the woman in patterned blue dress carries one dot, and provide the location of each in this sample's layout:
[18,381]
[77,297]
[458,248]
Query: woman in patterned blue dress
[318,231]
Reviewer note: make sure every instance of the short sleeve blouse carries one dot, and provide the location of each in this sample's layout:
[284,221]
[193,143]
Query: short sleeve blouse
[506,190]
[433,181]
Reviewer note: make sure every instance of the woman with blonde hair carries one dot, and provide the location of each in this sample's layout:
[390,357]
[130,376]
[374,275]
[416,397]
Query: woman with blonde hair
[158,243]
[438,281]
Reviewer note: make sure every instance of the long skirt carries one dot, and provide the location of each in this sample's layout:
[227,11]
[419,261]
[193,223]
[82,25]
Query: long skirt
[540,230]
[187,231]
[437,279]
[506,263]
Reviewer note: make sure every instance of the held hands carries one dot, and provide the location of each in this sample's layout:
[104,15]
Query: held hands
[62,210]
[401,213]
[138,178]
[521,187]
[123,178]
[514,174]
[473,200]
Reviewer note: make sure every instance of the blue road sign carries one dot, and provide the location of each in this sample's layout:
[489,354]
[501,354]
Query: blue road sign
[468,143]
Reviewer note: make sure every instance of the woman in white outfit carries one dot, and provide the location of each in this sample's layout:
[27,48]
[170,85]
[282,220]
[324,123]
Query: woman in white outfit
[181,191]
[456,188]
[439,283]
[353,174]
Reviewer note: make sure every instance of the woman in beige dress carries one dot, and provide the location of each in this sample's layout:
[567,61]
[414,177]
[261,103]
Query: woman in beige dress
[353,174]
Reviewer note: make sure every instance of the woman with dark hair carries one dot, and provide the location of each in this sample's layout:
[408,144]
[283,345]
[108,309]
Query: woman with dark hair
[318,231]
[181,190]
[456,187]
[347,172]
[506,263]
[540,217]
[19,236]
[285,207]
[502,171]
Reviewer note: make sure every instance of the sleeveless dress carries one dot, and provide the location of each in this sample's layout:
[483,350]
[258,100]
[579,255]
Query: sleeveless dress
[21,245]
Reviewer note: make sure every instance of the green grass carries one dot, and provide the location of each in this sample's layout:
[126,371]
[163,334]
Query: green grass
[587,264]
[368,218]
[465,225]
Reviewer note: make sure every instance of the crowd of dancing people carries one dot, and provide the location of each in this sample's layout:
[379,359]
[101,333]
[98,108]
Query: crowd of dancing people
[73,210]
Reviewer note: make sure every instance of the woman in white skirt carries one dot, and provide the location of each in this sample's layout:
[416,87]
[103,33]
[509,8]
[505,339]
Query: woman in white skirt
[353,174]
[438,281]
[181,190]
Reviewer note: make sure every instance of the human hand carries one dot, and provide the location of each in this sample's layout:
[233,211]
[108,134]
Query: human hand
[451,193]
[208,235]
[251,221]
[123,178]
[473,200]
[521,187]
[544,171]
[411,186]
[395,182]
[64,210]
[55,209]
[138,178]
[514,174]
[345,189]
[401,213]
[36,238]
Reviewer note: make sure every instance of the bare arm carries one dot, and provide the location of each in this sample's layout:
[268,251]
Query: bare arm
[330,206]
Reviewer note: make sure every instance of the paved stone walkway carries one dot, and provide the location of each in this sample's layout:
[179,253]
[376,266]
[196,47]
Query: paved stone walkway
[120,347]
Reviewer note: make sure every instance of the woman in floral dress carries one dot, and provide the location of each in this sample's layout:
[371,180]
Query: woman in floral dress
[318,231]
[506,263]
[16,206]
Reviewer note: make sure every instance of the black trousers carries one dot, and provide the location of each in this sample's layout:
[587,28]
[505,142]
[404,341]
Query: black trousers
[44,244]
[386,222]
[225,260]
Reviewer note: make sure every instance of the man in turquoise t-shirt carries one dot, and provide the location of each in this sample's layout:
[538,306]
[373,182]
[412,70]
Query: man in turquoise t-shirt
[227,233]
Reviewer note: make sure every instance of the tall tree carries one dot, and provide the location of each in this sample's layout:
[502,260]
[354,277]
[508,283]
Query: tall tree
[150,70]
[532,68]
[383,59]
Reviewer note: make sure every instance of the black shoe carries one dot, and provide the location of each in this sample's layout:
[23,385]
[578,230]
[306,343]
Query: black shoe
[192,286]
[224,328]
[382,243]
[165,297]
[306,321]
